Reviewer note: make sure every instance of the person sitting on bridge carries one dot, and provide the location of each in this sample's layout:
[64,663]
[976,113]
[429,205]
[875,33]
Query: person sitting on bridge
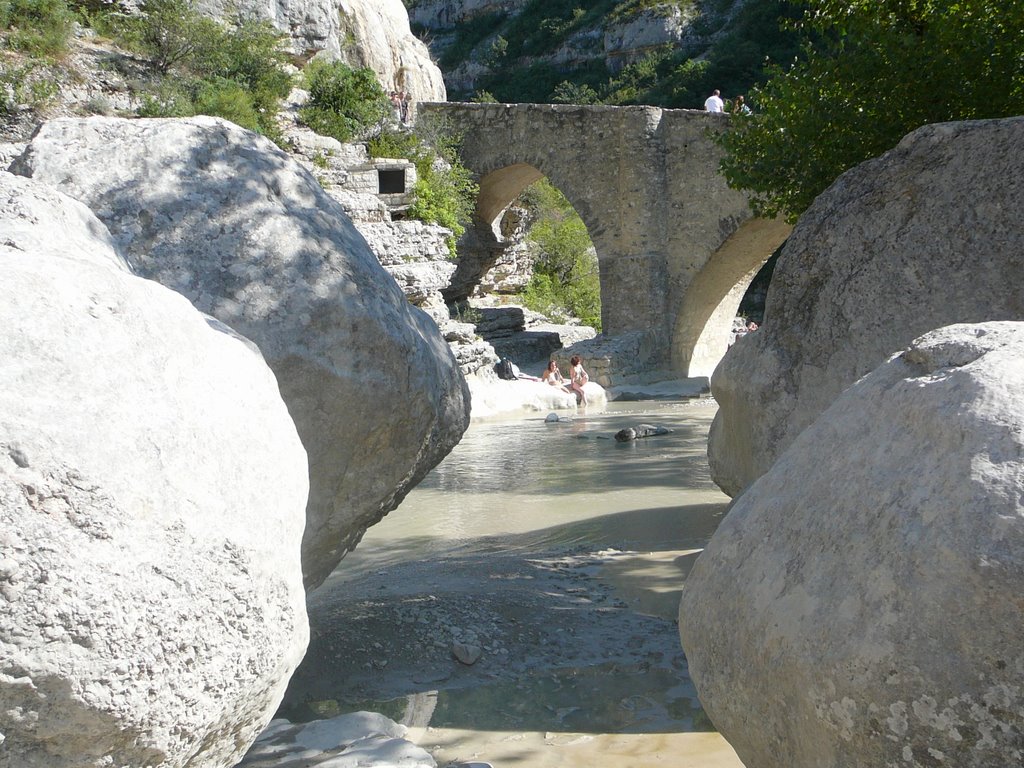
[714,102]
[578,377]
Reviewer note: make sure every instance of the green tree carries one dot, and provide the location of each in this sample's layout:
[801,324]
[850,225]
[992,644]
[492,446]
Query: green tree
[874,70]
[170,32]
[236,71]
[567,92]
[252,54]
[497,52]
[565,280]
[343,102]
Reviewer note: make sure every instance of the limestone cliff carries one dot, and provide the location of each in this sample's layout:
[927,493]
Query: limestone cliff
[377,35]
[359,32]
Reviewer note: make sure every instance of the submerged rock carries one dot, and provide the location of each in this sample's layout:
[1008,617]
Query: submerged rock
[466,653]
[926,235]
[860,603]
[152,496]
[230,221]
[640,431]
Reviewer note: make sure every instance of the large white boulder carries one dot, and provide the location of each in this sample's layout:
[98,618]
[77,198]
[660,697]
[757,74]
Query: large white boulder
[152,498]
[39,219]
[230,221]
[860,603]
[924,236]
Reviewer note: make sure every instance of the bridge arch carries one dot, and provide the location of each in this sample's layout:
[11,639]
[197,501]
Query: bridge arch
[704,322]
[676,247]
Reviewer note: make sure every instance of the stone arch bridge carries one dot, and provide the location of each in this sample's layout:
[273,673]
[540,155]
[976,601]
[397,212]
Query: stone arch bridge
[676,247]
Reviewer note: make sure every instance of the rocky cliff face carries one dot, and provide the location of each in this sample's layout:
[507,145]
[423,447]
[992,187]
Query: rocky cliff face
[366,33]
[377,35]
[464,34]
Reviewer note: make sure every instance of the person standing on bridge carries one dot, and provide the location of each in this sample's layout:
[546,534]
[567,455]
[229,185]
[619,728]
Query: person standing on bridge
[714,102]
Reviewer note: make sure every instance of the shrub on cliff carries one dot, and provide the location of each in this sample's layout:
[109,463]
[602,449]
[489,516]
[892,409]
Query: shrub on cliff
[445,192]
[234,71]
[343,102]
[36,27]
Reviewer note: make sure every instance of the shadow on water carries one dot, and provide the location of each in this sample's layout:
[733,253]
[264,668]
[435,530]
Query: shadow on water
[657,529]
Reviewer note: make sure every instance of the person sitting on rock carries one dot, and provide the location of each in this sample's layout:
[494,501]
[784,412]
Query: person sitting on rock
[578,377]
[553,376]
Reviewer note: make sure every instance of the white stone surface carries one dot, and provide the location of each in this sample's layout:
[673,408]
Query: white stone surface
[493,396]
[227,219]
[860,603]
[357,740]
[410,241]
[360,207]
[926,235]
[38,219]
[152,497]
[9,151]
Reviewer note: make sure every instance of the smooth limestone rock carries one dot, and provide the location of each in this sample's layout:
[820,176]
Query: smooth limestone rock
[225,218]
[860,603]
[355,740]
[152,497]
[38,219]
[926,235]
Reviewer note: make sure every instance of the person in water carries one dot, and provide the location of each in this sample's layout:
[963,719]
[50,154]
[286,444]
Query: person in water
[553,376]
[578,377]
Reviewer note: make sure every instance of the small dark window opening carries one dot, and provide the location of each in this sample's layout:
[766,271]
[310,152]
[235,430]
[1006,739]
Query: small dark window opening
[391,182]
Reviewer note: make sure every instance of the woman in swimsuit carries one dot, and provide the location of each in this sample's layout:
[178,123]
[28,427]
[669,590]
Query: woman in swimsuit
[578,377]
[554,377]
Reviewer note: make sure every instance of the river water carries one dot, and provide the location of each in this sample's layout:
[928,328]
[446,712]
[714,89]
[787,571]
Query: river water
[559,556]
